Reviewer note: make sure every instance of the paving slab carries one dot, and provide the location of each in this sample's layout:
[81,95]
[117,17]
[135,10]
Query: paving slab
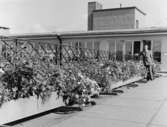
[96,122]
[154,90]
[131,103]
[156,125]
[161,117]
[119,113]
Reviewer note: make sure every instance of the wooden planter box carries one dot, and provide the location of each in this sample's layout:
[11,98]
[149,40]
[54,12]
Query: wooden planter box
[22,108]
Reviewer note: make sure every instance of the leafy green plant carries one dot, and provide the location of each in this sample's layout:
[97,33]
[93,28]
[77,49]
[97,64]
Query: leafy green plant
[76,88]
[75,82]
[110,70]
[18,82]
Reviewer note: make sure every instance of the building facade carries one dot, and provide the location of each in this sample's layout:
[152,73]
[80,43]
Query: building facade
[119,43]
[114,18]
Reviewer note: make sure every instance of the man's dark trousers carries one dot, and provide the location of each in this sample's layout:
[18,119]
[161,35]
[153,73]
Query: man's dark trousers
[149,69]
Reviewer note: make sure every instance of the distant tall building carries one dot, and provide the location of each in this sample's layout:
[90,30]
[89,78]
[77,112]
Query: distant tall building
[114,18]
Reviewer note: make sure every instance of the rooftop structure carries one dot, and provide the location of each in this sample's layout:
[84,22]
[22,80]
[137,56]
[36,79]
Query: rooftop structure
[114,18]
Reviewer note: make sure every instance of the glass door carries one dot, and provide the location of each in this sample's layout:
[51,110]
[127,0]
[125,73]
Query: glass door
[136,48]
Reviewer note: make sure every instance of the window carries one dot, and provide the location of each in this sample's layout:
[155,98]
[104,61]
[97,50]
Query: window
[73,44]
[119,50]
[96,49]
[96,45]
[137,24]
[128,50]
[136,49]
[112,46]
[90,45]
[157,50]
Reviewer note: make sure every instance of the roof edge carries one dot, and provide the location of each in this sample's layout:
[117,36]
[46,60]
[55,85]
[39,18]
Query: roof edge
[87,33]
[122,8]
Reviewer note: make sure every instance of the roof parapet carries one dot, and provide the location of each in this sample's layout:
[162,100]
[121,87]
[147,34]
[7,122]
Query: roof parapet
[122,8]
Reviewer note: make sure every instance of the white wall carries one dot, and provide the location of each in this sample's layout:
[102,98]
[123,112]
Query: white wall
[141,18]
[164,54]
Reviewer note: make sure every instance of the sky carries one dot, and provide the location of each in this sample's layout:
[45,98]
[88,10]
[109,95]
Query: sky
[38,16]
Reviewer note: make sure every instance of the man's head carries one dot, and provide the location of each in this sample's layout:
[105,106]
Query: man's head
[146,47]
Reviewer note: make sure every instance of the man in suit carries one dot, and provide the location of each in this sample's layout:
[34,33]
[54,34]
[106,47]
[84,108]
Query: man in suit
[148,62]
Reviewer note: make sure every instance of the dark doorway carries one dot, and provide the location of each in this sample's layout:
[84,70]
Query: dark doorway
[136,48]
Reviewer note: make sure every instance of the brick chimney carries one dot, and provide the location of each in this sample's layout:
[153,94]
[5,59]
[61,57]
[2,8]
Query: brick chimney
[91,7]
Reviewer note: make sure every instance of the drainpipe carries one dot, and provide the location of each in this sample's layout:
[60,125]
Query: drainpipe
[15,53]
[60,48]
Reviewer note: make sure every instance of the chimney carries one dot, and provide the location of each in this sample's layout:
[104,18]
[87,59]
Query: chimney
[91,7]
[120,5]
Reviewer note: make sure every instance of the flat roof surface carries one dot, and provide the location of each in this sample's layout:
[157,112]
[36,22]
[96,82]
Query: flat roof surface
[122,8]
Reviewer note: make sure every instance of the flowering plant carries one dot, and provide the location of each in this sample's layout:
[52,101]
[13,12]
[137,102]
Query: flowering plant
[75,82]
[17,83]
[77,88]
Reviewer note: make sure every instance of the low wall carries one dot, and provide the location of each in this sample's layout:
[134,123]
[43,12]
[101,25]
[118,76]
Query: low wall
[21,108]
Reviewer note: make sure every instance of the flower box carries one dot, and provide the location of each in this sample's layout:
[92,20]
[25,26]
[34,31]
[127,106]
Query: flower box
[18,109]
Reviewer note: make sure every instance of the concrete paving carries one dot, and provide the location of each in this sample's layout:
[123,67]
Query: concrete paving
[142,106]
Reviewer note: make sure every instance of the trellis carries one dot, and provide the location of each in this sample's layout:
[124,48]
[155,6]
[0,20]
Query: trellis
[43,61]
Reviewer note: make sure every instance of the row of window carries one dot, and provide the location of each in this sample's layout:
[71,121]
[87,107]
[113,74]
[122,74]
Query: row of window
[124,47]
[115,48]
